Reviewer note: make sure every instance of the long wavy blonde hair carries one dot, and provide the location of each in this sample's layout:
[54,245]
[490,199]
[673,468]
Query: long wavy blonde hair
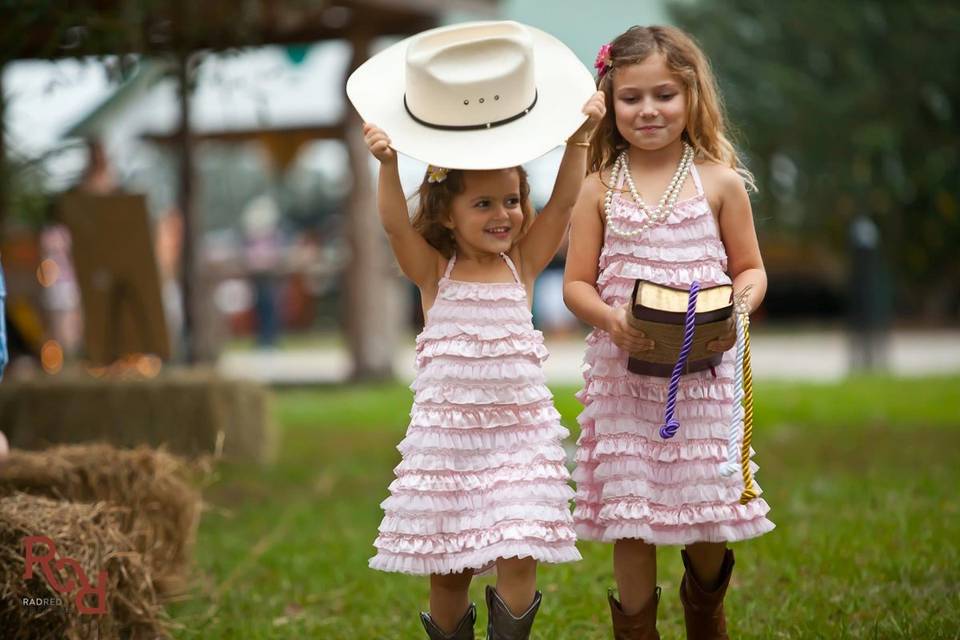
[706,129]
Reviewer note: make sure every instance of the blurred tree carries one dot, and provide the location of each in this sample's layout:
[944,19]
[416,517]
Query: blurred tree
[849,107]
[28,198]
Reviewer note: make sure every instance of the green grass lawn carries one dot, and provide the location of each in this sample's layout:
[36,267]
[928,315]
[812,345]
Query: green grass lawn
[862,478]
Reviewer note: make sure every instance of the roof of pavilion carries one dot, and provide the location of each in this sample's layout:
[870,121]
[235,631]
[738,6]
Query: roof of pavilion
[34,29]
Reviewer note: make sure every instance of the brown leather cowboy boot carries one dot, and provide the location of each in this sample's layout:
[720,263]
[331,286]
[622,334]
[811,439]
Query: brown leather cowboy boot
[641,625]
[702,609]
[502,624]
[464,630]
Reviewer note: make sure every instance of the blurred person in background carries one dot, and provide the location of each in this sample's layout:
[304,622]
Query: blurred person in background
[263,246]
[61,292]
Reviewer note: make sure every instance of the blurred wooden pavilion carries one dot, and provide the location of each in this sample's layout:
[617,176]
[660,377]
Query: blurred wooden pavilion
[36,29]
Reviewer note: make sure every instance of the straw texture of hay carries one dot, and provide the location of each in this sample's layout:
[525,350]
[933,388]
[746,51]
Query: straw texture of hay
[90,533]
[190,413]
[155,497]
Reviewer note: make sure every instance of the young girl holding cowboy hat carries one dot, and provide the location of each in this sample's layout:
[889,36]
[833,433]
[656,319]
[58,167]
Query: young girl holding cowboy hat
[482,483]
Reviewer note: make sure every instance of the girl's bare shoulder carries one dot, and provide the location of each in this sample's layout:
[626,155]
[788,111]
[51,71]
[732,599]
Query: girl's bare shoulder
[719,178]
[593,190]
[594,184]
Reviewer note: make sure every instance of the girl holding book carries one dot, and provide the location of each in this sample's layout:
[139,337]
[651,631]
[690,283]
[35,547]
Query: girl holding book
[639,486]
[482,483]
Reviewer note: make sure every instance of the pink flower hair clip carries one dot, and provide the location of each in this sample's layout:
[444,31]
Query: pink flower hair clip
[603,62]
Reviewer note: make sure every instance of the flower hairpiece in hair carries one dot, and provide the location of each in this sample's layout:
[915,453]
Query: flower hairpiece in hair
[436,174]
[603,62]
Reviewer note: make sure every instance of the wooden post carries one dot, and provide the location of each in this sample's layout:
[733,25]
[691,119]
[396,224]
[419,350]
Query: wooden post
[185,201]
[373,291]
[4,191]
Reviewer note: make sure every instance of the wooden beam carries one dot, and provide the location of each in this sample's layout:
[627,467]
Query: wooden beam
[372,292]
[102,27]
[185,202]
[482,8]
[327,132]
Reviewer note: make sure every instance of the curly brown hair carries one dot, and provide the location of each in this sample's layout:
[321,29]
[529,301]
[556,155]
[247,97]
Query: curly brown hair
[434,202]
[706,130]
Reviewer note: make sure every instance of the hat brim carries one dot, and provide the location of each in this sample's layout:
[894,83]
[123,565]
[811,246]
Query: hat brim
[564,85]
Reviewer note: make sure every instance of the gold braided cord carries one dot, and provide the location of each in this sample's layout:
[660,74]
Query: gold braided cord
[749,493]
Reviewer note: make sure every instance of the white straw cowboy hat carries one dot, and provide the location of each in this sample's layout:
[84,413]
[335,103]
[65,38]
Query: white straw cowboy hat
[477,95]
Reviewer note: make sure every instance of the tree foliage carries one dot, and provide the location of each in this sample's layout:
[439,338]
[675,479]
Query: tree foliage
[847,107]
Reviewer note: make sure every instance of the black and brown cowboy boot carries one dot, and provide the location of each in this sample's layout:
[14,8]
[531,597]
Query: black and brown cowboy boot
[464,630]
[702,609]
[502,624]
[641,625]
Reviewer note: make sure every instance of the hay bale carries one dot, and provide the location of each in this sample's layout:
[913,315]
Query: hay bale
[191,412]
[157,494]
[91,535]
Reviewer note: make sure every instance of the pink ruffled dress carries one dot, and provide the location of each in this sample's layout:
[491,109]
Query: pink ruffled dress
[631,483]
[483,473]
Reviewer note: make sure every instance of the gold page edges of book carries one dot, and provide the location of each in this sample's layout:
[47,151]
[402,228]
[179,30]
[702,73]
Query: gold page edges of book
[660,312]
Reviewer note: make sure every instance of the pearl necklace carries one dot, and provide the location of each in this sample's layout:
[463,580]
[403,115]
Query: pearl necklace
[667,202]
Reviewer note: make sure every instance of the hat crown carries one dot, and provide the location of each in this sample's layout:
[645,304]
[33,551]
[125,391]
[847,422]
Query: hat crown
[470,76]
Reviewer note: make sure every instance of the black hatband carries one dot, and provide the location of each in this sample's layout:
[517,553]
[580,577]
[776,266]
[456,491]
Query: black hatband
[469,127]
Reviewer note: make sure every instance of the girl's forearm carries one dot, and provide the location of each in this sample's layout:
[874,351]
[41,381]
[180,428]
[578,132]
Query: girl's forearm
[754,283]
[566,188]
[583,300]
[391,202]
[585,303]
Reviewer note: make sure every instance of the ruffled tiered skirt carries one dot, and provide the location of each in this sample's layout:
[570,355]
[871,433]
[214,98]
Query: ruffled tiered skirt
[631,483]
[483,473]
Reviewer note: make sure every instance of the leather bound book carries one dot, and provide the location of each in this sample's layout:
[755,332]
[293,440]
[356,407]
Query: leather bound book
[660,312]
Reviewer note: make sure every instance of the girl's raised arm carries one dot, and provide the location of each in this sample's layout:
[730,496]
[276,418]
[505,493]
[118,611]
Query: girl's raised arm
[543,238]
[418,260]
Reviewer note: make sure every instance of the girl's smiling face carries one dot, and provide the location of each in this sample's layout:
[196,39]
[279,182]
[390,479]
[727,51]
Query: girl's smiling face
[487,216]
[650,103]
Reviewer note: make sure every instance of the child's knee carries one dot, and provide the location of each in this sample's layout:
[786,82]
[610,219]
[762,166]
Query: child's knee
[517,568]
[451,581]
[635,548]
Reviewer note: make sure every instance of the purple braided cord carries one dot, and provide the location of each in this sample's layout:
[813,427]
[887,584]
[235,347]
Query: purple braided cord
[670,423]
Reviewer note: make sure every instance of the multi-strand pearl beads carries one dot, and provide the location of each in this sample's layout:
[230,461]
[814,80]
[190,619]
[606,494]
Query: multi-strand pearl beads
[667,202]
